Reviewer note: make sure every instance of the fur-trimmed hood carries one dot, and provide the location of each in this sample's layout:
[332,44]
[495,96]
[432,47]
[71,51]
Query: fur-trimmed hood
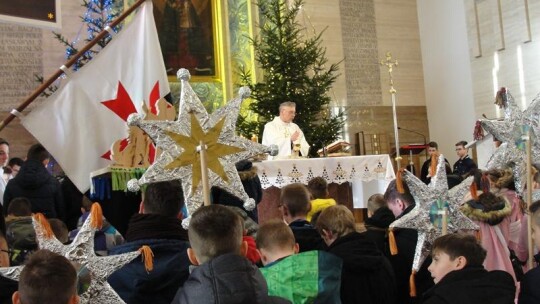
[476,211]
[248,174]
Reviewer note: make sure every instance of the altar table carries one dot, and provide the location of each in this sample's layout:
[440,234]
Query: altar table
[351,179]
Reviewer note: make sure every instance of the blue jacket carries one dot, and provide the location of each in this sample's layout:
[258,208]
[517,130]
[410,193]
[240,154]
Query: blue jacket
[171,270]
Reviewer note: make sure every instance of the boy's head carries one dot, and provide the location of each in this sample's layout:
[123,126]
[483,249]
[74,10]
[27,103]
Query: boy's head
[60,230]
[39,153]
[275,240]
[453,252]
[15,165]
[47,278]
[86,204]
[398,202]
[213,231]
[295,202]
[535,222]
[318,187]
[164,198]
[4,152]
[432,148]
[335,222]
[20,206]
[374,203]
[461,151]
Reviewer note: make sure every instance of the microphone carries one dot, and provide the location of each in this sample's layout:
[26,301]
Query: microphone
[273,150]
[415,132]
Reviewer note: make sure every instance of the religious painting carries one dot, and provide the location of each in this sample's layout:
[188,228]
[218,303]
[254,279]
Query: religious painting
[186,31]
[42,13]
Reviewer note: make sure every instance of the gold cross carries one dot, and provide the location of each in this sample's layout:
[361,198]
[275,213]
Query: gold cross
[390,65]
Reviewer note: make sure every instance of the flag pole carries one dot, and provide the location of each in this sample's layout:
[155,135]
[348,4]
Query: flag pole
[68,64]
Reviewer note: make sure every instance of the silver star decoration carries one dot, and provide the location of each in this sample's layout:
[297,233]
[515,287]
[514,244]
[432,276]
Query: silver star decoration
[418,219]
[508,154]
[11,272]
[178,159]
[424,196]
[81,251]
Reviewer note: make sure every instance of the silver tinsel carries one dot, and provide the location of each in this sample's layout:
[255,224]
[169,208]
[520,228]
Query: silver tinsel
[81,251]
[508,155]
[424,196]
[11,272]
[164,132]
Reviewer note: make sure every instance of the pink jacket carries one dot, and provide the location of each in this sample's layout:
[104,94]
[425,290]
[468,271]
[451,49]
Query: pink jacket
[497,257]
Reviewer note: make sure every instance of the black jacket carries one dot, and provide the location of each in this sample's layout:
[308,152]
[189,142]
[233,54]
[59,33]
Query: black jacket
[307,237]
[473,285]
[377,226]
[530,291]
[425,170]
[367,276]
[40,187]
[464,166]
[226,279]
[402,264]
[7,288]
[252,185]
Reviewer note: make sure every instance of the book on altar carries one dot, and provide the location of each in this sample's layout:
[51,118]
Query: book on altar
[337,148]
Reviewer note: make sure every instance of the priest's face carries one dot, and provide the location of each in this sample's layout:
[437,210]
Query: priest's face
[287,114]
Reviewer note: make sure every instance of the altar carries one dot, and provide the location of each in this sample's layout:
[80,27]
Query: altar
[351,179]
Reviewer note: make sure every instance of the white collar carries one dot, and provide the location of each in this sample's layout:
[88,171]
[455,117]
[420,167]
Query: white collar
[278,120]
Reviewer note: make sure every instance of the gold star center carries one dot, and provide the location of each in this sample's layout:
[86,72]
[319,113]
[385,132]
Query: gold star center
[50,15]
[191,156]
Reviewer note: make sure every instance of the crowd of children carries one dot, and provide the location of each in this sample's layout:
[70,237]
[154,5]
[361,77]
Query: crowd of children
[315,253]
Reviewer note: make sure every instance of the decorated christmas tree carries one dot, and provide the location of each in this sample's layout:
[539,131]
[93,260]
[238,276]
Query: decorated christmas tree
[294,69]
[98,14]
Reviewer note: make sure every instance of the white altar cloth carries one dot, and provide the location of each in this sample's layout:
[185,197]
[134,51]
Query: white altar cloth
[368,174]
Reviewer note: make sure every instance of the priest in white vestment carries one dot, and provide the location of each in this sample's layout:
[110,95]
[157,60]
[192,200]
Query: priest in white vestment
[284,133]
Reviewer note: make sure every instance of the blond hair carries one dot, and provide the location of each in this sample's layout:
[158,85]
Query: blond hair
[275,235]
[337,219]
[375,202]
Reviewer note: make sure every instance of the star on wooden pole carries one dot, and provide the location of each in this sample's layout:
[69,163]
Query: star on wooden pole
[179,140]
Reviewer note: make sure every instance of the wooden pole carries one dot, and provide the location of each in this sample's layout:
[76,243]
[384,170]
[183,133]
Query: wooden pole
[69,63]
[390,65]
[530,260]
[204,174]
[444,221]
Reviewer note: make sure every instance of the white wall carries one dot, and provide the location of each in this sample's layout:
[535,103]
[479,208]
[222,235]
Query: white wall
[447,73]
